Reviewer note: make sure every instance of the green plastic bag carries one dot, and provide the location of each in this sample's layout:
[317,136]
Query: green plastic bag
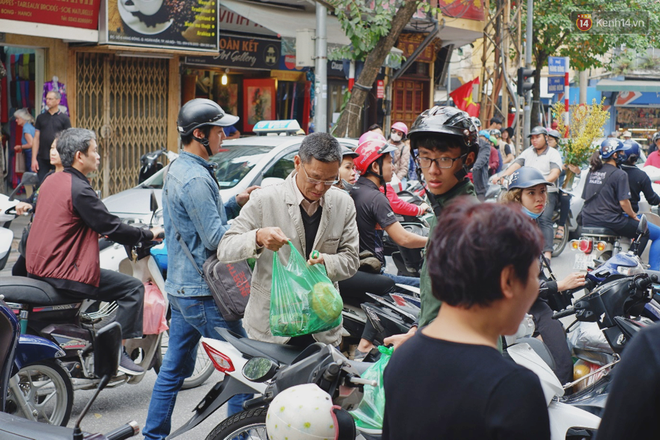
[303,300]
[369,414]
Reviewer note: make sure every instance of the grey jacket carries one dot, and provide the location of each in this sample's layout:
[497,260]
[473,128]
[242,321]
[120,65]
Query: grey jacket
[337,239]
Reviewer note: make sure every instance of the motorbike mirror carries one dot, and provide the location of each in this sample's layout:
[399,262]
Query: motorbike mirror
[643,225]
[107,351]
[259,369]
[153,205]
[29,179]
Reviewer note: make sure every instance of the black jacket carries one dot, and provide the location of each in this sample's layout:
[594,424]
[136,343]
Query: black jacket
[640,182]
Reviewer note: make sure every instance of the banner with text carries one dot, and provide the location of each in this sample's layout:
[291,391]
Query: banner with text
[168,24]
[72,13]
[242,52]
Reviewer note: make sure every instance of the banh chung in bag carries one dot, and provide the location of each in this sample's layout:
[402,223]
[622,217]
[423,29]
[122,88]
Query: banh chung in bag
[303,299]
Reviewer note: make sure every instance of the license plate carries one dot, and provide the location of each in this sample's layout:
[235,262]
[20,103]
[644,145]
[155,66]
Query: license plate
[583,261]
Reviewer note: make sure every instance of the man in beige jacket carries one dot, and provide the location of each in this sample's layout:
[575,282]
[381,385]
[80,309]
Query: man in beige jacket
[309,212]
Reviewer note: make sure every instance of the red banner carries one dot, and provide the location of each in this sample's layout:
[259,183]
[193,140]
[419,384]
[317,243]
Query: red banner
[469,9]
[72,13]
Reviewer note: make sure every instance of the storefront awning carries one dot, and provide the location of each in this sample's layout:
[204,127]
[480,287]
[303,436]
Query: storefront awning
[286,22]
[610,85]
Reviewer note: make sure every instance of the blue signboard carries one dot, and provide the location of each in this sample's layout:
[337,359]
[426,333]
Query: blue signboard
[557,65]
[555,84]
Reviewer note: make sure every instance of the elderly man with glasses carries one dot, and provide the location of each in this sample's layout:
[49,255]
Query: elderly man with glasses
[306,210]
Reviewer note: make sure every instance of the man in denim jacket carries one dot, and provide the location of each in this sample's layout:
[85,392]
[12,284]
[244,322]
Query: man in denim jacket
[192,206]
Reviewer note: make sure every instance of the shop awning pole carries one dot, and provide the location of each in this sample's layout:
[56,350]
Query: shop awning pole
[320,70]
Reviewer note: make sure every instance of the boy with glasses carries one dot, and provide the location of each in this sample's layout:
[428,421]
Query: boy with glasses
[443,141]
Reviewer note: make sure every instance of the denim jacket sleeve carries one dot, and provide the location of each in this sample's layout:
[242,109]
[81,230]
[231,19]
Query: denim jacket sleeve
[232,209]
[203,209]
[240,242]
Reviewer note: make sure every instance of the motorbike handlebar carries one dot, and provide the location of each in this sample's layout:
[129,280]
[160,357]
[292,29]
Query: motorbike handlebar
[643,283]
[563,313]
[123,432]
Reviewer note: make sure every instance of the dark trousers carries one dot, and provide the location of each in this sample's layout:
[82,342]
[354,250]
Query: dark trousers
[128,292]
[353,290]
[554,338]
[545,221]
[564,208]
[44,167]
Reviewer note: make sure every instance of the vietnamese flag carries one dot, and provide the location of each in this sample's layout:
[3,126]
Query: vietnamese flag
[462,97]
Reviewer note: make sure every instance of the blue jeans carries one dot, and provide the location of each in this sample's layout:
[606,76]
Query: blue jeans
[191,319]
[408,281]
[654,251]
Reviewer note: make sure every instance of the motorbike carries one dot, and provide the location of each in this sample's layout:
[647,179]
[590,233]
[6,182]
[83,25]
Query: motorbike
[598,245]
[149,164]
[72,324]
[14,350]
[40,387]
[616,307]
[332,372]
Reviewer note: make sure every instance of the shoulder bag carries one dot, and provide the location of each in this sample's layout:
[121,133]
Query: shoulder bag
[229,283]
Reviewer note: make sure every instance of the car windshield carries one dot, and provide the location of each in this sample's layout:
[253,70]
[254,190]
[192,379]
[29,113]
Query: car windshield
[231,165]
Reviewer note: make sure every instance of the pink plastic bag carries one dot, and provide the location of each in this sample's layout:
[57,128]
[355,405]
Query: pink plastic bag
[155,309]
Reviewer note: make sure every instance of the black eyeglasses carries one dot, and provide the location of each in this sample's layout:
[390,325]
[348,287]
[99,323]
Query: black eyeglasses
[441,162]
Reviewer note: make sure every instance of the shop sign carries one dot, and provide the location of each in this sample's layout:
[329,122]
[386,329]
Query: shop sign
[408,43]
[167,24]
[232,22]
[380,89]
[72,13]
[242,52]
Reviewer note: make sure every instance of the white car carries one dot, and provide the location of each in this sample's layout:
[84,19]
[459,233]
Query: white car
[255,160]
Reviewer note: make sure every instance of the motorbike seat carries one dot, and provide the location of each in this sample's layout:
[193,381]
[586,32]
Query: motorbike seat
[281,353]
[25,290]
[598,231]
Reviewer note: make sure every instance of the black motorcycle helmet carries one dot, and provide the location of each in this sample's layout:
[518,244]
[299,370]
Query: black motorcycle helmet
[202,112]
[447,121]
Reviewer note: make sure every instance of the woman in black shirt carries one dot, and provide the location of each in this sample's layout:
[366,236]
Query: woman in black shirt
[449,381]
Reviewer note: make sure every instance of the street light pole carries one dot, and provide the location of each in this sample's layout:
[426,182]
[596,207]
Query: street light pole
[321,71]
[527,112]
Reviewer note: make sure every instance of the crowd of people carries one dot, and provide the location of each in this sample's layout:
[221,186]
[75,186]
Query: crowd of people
[479,279]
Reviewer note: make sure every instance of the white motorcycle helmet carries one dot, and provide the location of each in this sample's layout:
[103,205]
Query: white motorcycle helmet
[306,412]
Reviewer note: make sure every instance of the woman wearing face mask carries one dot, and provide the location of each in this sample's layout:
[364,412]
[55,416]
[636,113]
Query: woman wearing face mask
[347,173]
[528,187]
[400,157]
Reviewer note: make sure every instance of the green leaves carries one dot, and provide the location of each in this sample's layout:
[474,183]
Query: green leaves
[365,23]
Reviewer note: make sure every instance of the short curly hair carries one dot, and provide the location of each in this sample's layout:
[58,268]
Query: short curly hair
[472,245]
[514,196]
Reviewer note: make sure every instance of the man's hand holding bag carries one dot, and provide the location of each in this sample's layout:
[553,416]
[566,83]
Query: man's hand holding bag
[303,299]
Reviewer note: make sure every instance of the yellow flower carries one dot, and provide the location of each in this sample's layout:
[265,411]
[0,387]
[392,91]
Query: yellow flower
[586,125]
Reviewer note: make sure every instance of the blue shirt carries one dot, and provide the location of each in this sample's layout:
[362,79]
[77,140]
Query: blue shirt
[27,129]
[191,200]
